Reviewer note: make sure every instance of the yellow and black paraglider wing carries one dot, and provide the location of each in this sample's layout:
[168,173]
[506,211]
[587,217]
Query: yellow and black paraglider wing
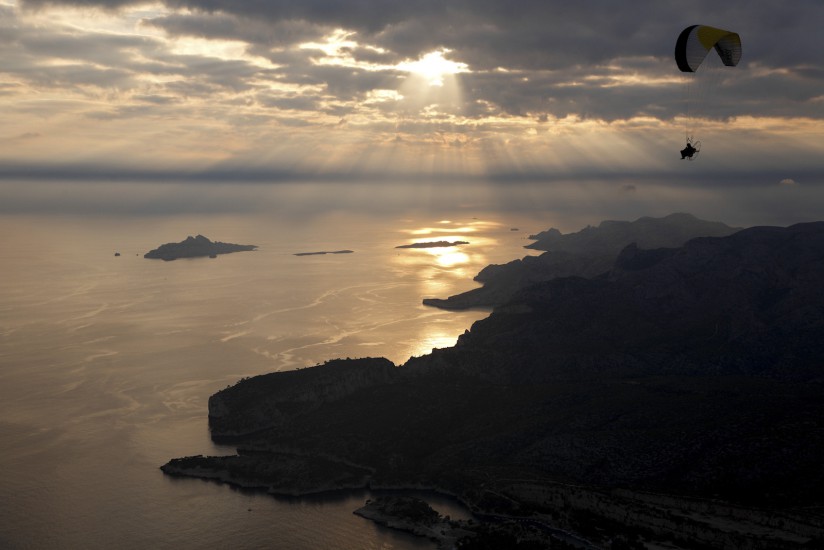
[696,41]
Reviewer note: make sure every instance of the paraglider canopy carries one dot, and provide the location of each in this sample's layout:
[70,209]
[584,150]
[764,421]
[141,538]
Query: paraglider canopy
[696,41]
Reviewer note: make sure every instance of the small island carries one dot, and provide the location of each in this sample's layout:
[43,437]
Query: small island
[324,252]
[195,247]
[415,516]
[434,244]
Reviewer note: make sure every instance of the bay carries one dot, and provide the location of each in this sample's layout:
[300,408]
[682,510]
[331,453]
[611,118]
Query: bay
[107,362]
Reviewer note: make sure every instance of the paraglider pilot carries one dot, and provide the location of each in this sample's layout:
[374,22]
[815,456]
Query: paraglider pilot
[688,151]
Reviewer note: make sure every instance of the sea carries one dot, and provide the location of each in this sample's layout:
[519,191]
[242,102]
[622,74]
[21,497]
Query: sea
[107,360]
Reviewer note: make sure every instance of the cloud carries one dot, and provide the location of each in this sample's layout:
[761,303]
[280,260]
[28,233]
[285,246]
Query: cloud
[226,26]
[588,60]
[551,89]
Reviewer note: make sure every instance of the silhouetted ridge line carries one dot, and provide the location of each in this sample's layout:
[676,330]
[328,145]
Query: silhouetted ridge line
[586,253]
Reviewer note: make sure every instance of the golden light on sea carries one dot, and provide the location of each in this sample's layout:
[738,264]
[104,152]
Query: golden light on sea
[448,256]
[434,337]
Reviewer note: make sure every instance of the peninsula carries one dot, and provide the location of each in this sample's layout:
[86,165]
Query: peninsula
[433,244]
[195,247]
[674,399]
[415,516]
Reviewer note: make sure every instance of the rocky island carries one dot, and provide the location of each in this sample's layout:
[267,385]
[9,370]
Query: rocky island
[433,244]
[195,247]
[672,400]
[323,252]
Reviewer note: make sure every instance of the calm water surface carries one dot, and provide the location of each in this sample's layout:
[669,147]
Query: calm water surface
[107,363]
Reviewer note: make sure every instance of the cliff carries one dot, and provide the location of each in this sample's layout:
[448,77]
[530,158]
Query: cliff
[270,400]
[194,247]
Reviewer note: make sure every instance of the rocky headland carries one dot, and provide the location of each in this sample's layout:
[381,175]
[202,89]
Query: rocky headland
[672,399]
[586,253]
[195,247]
[415,516]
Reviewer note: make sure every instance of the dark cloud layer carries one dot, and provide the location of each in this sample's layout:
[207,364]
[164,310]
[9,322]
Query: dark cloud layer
[572,39]
[532,31]
[558,56]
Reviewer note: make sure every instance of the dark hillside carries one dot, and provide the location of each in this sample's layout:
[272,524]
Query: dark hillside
[693,372]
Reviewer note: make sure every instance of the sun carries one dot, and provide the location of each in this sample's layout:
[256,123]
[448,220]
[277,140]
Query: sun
[434,67]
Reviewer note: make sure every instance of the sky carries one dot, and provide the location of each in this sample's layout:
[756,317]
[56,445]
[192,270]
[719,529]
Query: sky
[570,96]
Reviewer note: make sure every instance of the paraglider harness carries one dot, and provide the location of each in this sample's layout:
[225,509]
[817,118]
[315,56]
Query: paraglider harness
[691,150]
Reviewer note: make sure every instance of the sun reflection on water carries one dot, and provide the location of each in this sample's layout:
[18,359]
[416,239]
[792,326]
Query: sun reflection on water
[445,270]
[433,230]
[446,257]
[433,337]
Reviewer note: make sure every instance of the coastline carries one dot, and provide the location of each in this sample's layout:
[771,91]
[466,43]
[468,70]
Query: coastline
[445,532]
[177,468]
[415,516]
[561,511]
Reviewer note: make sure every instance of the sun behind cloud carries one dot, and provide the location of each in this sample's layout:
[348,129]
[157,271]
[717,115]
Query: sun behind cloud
[433,66]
